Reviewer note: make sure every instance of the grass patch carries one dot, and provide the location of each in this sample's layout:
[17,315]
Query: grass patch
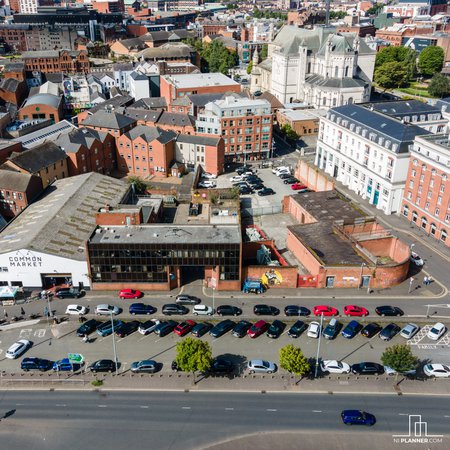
[97,383]
[416,91]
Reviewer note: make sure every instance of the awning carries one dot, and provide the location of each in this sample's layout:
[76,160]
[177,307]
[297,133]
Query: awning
[8,292]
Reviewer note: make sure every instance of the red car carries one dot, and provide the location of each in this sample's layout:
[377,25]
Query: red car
[130,293]
[184,327]
[353,310]
[258,328]
[325,310]
[298,187]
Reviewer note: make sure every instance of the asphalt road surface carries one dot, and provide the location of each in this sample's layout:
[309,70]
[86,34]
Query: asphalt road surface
[171,420]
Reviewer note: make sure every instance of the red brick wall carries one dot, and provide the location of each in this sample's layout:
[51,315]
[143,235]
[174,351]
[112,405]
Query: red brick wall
[289,274]
[215,158]
[297,212]
[309,262]
[312,177]
[30,111]
[5,152]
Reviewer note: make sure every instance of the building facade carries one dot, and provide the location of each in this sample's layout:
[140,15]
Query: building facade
[51,61]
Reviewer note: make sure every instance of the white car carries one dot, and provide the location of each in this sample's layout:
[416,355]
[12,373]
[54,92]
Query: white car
[209,176]
[333,366]
[236,179]
[207,184]
[437,331]
[278,169]
[202,310]
[313,330]
[436,370]
[149,326]
[416,259]
[390,371]
[77,310]
[18,348]
[106,310]
[409,330]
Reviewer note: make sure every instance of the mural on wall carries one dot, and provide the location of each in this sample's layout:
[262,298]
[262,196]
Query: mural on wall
[272,278]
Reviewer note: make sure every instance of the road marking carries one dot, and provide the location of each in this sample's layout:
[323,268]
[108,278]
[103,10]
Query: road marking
[272,410]
[403,414]
[102,406]
[316,411]
[143,406]
[232,409]
[61,404]
[185,407]
[40,333]
[25,333]
[20,404]
[446,416]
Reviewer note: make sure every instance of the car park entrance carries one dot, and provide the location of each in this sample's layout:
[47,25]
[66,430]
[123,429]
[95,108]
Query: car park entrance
[192,274]
[50,280]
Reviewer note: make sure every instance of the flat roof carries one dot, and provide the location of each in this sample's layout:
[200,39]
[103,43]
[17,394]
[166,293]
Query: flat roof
[193,80]
[303,114]
[167,234]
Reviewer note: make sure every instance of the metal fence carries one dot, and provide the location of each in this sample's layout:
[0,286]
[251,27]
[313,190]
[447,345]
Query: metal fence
[261,211]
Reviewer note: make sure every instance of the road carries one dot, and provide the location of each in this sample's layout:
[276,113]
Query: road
[173,420]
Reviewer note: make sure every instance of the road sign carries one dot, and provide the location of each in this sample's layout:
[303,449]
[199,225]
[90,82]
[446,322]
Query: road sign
[75,358]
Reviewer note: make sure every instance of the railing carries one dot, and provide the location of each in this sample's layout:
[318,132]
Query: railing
[262,211]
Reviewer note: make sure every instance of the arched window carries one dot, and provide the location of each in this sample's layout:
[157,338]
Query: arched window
[433,229]
[346,71]
[405,210]
[414,216]
[443,235]
[350,100]
[336,72]
[423,222]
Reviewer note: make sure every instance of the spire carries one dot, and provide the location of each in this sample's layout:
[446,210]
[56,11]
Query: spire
[327,13]
[255,57]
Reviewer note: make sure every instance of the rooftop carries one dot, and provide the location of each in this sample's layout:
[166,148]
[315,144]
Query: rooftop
[403,108]
[44,99]
[303,114]
[200,80]
[108,119]
[32,139]
[15,181]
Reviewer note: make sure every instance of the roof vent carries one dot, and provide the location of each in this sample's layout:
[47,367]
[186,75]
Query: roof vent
[155,235]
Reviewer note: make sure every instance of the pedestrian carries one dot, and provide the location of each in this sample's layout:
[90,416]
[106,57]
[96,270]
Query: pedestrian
[22,311]
[5,313]
[85,338]
[429,280]
[425,281]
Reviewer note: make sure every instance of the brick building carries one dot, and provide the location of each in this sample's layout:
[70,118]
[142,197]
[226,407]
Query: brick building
[426,200]
[7,147]
[51,61]
[15,36]
[42,106]
[109,121]
[303,121]
[13,91]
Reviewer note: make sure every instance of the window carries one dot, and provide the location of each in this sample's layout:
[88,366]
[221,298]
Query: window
[405,210]
[414,216]
[427,206]
[436,212]
[423,222]
[443,235]
[409,196]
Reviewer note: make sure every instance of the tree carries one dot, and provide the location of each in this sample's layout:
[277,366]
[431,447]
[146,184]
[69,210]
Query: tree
[218,57]
[400,358]
[431,60]
[376,8]
[293,360]
[250,67]
[287,130]
[139,186]
[439,86]
[404,55]
[264,52]
[337,15]
[193,355]
[391,75]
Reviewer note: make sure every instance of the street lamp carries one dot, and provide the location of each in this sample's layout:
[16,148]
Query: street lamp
[213,289]
[318,346]
[114,341]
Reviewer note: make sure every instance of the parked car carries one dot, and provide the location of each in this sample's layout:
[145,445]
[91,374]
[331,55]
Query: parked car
[265,310]
[172,308]
[145,366]
[261,366]
[36,364]
[65,365]
[221,328]
[437,331]
[371,329]
[202,310]
[257,94]
[297,329]
[245,190]
[409,330]
[388,311]
[258,328]
[149,326]
[266,191]
[281,169]
[351,329]
[72,292]
[207,184]
[294,310]
[331,330]
[201,328]
[185,299]
[127,328]
[184,327]
[106,328]
[130,293]
[416,259]
[103,365]
[389,331]
[244,169]
[354,310]
[391,372]
[436,370]
[106,310]
[298,187]
[18,348]
[333,366]
[276,329]
[241,328]
[313,330]
[356,417]
[221,365]
[76,310]
[141,308]
[236,178]
[88,327]
[209,176]
[325,310]
[257,187]
[290,180]
[227,310]
[367,368]
[165,328]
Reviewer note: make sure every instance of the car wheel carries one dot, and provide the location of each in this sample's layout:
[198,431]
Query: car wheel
[196,314]
[398,315]
[269,371]
[251,371]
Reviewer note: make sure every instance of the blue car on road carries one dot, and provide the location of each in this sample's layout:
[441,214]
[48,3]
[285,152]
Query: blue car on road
[356,417]
[106,328]
[351,330]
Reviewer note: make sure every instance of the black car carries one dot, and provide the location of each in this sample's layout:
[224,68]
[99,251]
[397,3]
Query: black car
[389,331]
[367,368]
[164,328]
[241,328]
[72,292]
[172,308]
[127,328]
[201,328]
[221,365]
[254,181]
[297,329]
[228,310]
[88,327]
[388,311]
[285,176]
[294,310]
[245,190]
[221,328]
[265,310]
[184,299]
[290,180]
[36,364]
[370,330]
[258,187]
[243,169]
[266,191]
[103,365]
[276,329]
[332,329]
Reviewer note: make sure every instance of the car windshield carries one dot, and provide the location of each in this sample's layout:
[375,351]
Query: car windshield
[434,330]
[266,364]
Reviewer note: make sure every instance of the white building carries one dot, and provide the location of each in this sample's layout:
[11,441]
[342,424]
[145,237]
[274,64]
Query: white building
[368,152]
[46,243]
[139,86]
[28,6]
[122,72]
[319,67]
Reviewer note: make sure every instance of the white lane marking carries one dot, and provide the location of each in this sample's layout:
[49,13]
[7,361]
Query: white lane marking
[102,406]
[272,410]
[446,416]
[143,406]
[229,409]
[61,404]
[20,404]
[185,407]
[316,411]
[403,414]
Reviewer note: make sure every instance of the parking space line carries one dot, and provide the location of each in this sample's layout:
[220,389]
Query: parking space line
[272,410]
[419,336]
[102,406]
[185,407]
[144,406]
[445,340]
[232,409]
[316,411]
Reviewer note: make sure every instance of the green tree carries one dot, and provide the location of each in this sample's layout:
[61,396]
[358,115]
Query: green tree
[139,186]
[264,52]
[431,60]
[439,86]
[376,8]
[293,360]
[250,67]
[400,358]
[337,15]
[193,355]
[391,75]
[404,55]
[287,130]
[218,57]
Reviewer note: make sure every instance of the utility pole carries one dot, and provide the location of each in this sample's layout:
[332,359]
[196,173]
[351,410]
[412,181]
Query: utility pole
[318,346]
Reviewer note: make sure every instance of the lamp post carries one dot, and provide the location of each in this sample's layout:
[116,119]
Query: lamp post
[114,341]
[213,302]
[318,346]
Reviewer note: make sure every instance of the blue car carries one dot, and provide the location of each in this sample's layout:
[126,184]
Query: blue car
[356,417]
[105,329]
[141,308]
[64,365]
[351,330]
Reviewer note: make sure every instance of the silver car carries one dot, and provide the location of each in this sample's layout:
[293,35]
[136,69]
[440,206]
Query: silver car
[261,366]
[409,330]
[106,310]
